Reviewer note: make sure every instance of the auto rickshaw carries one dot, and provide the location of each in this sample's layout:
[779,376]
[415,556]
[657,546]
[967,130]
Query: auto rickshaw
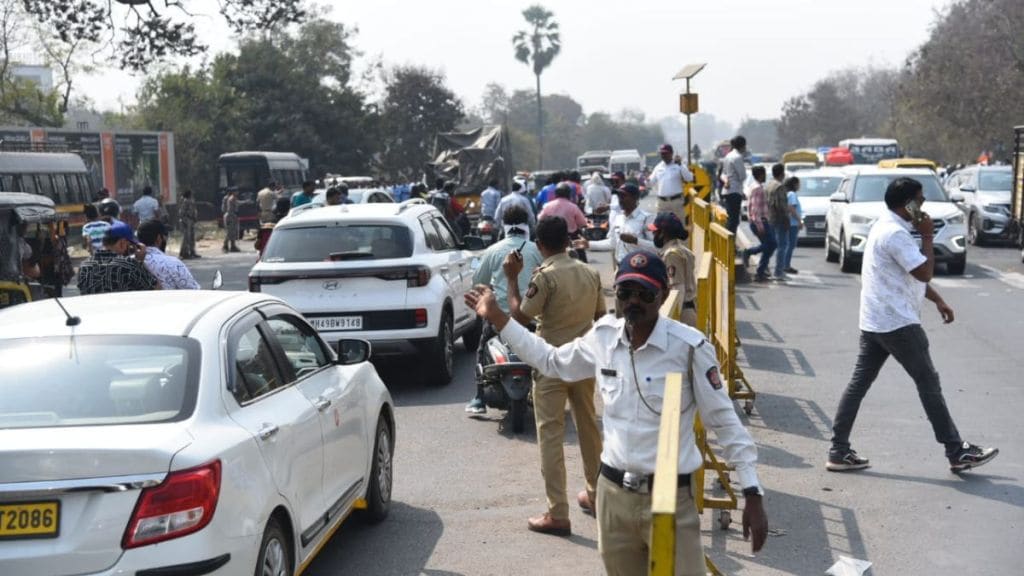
[34,260]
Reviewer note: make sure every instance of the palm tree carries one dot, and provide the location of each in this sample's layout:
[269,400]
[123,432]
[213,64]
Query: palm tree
[538,46]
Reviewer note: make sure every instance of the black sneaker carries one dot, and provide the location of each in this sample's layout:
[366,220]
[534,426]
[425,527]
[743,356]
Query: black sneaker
[476,406]
[842,461]
[971,456]
[792,270]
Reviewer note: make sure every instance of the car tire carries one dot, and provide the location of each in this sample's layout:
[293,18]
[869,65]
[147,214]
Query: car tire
[441,356]
[517,414]
[378,494]
[830,254]
[957,267]
[974,235]
[471,337]
[275,556]
[845,263]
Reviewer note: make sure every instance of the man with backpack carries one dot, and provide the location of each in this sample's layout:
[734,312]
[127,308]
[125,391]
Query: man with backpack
[778,216]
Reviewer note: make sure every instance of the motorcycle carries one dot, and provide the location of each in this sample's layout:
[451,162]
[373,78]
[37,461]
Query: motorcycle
[487,229]
[597,227]
[505,380]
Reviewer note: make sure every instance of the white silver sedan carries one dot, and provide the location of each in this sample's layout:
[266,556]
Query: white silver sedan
[182,432]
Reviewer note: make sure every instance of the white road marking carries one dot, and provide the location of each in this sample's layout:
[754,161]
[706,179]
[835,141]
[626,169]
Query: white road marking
[1012,279]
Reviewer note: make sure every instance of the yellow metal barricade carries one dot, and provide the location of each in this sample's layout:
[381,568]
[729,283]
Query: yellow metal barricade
[664,497]
[723,251]
[700,214]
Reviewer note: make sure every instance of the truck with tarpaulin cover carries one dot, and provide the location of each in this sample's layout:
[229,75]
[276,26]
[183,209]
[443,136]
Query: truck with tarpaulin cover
[471,160]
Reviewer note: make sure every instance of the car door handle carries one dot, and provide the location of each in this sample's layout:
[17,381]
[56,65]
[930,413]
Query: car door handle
[444,269]
[268,431]
[322,404]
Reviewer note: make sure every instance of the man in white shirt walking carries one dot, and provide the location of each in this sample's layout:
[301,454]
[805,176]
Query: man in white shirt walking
[894,282]
[734,174]
[668,179]
[170,271]
[146,207]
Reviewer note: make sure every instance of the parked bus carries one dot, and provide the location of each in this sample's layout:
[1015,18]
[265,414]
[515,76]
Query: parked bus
[60,176]
[626,161]
[871,150]
[594,160]
[250,172]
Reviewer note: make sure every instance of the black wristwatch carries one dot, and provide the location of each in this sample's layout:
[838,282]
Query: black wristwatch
[753,491]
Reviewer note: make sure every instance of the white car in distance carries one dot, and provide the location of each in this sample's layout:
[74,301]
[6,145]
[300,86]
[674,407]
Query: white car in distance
[181,432]
[816,189]
[860,200]
[392,274]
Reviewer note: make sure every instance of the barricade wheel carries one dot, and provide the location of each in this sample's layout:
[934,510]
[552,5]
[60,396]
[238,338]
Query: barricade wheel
[724,519]
[748,407]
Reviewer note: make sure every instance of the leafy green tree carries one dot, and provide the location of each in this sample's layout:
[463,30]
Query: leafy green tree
[417,105]
[143,31]
[22,101]
[537,47]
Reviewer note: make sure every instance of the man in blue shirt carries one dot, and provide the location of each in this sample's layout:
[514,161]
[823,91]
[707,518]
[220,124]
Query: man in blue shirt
[305,196]
[517,237]
[489,199]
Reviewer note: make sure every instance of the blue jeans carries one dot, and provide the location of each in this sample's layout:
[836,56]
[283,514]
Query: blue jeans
[782,243]
[767,247]
[794,232]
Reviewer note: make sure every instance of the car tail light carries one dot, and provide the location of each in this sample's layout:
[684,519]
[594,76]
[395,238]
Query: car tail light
[418,277]
[254,284]
[520,373]
[182,504]
[421,317]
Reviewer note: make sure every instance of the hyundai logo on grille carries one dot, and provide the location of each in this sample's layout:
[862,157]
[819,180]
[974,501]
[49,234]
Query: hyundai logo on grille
[330,285]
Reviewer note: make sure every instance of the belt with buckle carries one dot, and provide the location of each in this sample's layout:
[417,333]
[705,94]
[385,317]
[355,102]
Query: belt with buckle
[641,483]
[670,198]
[690,304]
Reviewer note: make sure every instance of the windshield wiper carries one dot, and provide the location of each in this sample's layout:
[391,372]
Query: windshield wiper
[353,255]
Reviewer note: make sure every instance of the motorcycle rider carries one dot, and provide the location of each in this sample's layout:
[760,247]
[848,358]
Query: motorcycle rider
[517,238]
[565,297]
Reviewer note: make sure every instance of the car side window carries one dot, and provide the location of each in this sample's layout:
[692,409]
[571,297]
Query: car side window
[255,371]
[433,239]
[302,348]
[448,241]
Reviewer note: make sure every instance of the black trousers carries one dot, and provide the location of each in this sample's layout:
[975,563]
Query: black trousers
[733,203]
[909,345]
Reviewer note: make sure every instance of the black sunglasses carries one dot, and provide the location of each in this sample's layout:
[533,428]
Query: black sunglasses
[646,296]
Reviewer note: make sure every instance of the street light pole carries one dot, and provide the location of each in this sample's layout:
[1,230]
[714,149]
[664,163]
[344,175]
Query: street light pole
[688,103]
[689,143]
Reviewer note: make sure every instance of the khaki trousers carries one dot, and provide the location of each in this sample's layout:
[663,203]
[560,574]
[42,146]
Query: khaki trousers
[624,531]
[674,206]
[549,397]
[688,316]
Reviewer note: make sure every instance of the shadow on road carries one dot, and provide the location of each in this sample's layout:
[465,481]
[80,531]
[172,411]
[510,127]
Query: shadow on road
[774,359]
[794,415]
[820,532]
[1009,491]
[356,547]
[757,331]
[769,455]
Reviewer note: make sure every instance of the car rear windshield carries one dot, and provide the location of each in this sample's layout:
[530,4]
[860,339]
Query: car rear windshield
[996,180]
[351,242]
[871,188]
[97,380]
[819,186]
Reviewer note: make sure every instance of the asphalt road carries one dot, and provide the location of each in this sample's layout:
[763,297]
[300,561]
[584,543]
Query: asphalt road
[464,487]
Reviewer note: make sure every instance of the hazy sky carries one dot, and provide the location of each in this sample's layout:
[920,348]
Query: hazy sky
[619,54]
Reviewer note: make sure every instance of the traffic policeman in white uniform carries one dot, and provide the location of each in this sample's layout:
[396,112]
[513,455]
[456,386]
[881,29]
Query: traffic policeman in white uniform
[630,357]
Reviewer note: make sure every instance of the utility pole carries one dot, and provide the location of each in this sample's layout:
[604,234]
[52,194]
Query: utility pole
[688,102]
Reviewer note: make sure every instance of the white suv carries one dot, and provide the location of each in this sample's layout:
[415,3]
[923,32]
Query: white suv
[859,202]
[392,274]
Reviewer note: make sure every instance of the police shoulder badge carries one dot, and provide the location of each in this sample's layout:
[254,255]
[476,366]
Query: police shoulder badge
[531,291]
[671,271]
[714,378]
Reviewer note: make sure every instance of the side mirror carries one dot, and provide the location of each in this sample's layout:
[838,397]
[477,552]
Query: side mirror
[352,351]
[218,281]
[957,197]
[473,243]
[968,189]
[838,197]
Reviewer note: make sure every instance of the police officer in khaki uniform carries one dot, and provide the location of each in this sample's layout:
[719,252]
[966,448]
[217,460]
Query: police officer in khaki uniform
[680,263]
[630,357]
[565,298]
